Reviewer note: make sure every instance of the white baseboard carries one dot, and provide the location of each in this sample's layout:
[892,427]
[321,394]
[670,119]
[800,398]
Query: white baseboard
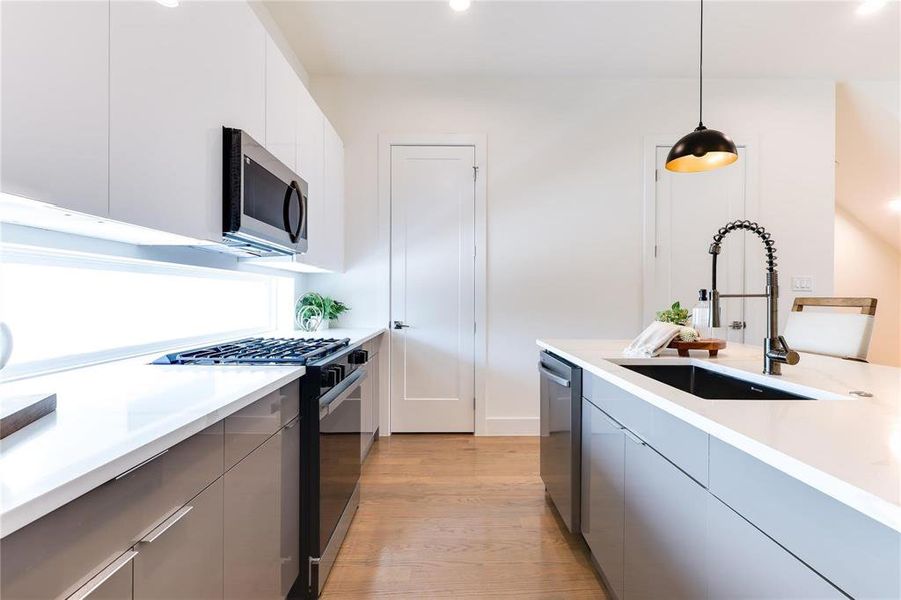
[511,426]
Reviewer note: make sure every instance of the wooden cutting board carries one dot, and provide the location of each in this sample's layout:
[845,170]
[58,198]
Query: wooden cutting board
[712,346]
[20,411]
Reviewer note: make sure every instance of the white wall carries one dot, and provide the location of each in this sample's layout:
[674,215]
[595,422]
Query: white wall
[865,265]
[564,189]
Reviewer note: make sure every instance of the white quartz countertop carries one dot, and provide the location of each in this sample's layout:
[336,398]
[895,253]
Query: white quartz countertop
[845,446]
[111,417]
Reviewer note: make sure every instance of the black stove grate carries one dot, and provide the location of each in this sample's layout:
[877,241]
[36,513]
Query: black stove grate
[258,351]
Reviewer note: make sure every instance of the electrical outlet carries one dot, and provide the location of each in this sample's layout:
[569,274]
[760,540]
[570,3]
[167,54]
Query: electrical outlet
[802,284]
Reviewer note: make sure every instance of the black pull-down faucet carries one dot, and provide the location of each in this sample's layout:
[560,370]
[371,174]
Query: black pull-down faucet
[775,349]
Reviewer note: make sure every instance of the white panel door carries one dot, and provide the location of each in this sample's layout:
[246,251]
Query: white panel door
[690,208]
[432,288]
[177,76]
[55,81]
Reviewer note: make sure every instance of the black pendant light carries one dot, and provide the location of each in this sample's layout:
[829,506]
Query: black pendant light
[703,149]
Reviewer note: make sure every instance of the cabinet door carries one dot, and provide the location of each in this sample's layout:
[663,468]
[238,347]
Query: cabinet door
[182,558]
[333,196]
[664,528]
[282,87]
[367,430]
[55,110]
[375,375]
[744,563]
[262,513]
[603,492]
[310,147]
[177,76]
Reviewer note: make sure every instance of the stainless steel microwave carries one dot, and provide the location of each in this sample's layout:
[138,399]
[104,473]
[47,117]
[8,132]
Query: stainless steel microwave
[264,202]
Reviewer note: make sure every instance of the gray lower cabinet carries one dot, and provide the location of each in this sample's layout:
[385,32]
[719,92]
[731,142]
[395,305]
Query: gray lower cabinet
[743,563]
[262,519]
[182,557]
[665,525]
[603,492]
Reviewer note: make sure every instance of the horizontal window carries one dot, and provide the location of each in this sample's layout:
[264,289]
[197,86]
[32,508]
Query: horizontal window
[67,309]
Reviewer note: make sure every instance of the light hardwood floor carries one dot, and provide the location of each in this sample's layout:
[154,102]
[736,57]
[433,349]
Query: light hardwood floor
[456,516]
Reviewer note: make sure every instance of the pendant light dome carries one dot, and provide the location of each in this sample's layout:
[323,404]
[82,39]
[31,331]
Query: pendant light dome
[703,149]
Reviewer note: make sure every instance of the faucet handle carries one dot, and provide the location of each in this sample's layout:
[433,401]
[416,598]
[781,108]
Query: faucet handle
[791,357]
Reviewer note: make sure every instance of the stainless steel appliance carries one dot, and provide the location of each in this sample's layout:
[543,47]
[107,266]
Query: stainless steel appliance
[264,202]
[561,436]
[331,394]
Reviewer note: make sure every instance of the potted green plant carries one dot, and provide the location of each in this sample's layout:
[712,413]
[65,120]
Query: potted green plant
[315,311]
[675,314]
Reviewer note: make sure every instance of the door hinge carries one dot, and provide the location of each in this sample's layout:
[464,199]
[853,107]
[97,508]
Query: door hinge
[475,173]
[655,250]
[656,174]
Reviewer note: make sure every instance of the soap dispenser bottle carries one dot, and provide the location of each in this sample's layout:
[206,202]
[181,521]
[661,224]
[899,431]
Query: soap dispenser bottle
[700,315]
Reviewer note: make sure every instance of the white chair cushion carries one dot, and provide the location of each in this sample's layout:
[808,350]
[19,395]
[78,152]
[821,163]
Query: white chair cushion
[844,335]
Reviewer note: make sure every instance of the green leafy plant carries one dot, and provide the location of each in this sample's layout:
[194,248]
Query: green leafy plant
[675,314]
[331,309]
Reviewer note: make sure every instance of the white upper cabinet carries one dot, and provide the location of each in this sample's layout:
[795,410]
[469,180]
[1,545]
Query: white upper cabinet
[55,68]
[333,184]
[282,85]
[310,143]
[177,76]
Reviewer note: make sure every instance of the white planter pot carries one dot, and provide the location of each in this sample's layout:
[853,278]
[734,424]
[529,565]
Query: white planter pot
[323,325]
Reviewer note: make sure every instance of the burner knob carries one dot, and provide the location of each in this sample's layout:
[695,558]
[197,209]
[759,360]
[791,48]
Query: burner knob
[358,357]
[329,377]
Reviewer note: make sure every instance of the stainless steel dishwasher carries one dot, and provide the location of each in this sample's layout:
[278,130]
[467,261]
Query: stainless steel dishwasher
[561,436]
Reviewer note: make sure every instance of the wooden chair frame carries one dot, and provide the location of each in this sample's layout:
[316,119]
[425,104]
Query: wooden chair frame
[867,306]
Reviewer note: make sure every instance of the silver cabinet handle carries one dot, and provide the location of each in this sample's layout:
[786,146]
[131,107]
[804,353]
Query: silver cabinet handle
[634,437]
[98,579]
[552,376]
[611,420]
[141,464]
[165,525]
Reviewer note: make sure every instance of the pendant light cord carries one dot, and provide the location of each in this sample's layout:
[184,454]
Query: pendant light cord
[701,73]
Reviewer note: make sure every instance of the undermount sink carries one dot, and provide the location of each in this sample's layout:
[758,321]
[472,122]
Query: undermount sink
[711,385]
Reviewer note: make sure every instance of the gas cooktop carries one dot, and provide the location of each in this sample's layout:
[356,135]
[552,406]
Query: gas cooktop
[258,351]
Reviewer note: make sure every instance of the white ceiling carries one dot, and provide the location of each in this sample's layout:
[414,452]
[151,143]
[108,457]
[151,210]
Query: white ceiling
[629,39]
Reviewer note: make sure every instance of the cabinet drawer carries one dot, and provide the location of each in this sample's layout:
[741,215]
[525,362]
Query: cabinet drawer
[682,444]
[851,550]
[59,552]
[256,423]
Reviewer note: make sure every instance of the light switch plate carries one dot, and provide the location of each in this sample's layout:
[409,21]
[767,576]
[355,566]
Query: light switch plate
[802,284]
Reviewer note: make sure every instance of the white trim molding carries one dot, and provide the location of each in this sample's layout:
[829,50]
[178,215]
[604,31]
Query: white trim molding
[512,426]
[480,143]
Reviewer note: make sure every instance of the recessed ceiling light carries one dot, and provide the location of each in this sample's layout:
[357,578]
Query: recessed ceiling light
[895,205]
[168,3]
[869,7]
[460,5]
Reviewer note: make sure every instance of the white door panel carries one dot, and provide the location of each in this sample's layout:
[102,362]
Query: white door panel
[690,208]
[432,288]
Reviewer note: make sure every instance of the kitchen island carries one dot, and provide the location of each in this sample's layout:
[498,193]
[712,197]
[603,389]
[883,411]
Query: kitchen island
[757,498]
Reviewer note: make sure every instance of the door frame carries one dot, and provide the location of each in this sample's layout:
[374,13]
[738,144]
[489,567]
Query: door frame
[480,144]
[650,144]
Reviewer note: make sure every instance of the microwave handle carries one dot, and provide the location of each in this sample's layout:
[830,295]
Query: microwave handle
[294,189]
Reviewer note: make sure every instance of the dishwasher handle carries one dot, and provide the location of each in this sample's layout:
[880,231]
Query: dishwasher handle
[545,372]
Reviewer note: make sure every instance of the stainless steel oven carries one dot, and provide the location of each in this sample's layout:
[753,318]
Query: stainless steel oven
[264,202]
[333,458]
[561,436]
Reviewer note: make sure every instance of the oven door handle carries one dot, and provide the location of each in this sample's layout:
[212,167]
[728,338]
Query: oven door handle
[338,394]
